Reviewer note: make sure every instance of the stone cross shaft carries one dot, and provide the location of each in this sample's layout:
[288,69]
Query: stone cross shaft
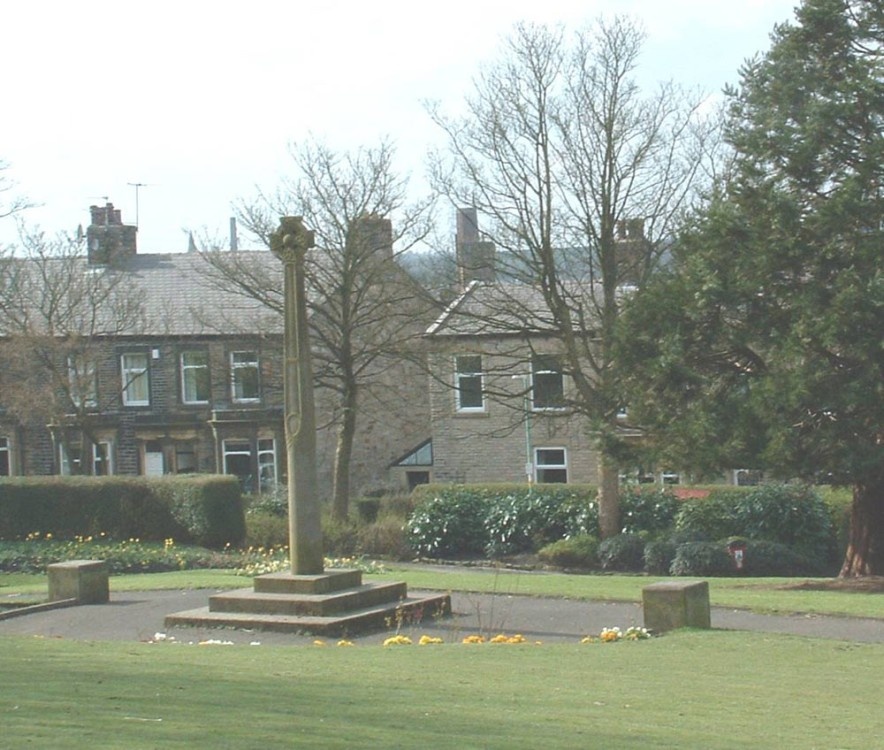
[290,244]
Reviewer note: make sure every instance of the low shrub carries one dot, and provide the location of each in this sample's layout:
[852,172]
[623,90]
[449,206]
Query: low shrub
[275,503]
[367,509]
[764,558]
[648,510]
[702,559]
[660,552]
[658,556]
[384,538]
[792,515]
[711,517]
[266,529]
[121,556]
[401,506]
[449,523]
[530,518]
[623,552]
[581,551]
[339,537]
[497,519]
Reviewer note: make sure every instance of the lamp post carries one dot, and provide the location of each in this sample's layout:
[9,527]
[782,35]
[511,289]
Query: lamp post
[526,405]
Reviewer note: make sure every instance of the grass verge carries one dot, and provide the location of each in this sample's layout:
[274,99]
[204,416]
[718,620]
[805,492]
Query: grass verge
[691,689]
[765,595]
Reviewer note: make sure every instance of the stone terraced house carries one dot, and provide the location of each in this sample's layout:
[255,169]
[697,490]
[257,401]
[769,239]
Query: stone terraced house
[193,382]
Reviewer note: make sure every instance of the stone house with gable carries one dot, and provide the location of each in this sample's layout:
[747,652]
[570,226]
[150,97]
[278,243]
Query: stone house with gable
[498,392]
[195,383]
[498,397]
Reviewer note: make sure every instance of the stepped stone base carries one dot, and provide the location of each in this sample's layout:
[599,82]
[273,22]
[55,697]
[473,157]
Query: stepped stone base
[335,603]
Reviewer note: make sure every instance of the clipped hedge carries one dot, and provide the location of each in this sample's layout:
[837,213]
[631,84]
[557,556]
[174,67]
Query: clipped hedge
[195,509]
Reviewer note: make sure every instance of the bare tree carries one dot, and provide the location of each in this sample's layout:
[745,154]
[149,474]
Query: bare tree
[10,203]
[363,308]
[56,315]
[580,178]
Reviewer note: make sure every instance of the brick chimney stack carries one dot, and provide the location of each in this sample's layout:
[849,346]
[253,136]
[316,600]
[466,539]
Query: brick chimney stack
[475,257]
[108,240]
[373,235]
[632,250]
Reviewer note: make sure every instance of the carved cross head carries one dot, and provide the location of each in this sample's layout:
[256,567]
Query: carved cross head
[292,240]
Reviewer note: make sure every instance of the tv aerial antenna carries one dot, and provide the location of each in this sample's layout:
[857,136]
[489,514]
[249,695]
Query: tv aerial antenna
[137,186]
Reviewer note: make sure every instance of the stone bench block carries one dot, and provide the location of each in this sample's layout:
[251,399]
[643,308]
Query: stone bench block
[676,604]
[83,580]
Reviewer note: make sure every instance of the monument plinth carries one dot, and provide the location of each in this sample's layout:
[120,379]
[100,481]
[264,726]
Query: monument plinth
[307,599]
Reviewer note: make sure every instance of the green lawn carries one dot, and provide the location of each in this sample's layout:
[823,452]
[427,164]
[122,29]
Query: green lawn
[691,689]
[758,594]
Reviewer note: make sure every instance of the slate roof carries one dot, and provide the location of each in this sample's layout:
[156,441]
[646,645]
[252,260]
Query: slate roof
[181,300]
[504,309]
[178,297]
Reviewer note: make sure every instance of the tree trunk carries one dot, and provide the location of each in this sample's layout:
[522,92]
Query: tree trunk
[343,454]
[865,547]
[609,498]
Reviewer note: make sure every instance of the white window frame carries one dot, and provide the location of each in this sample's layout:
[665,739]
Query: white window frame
[236,369]
[190,375]
[65,460]
[541,466]
[537,369]
[83,371]
[132,375]
[107,459]
[267,459]
[6,449]
[234,447]
[462,374]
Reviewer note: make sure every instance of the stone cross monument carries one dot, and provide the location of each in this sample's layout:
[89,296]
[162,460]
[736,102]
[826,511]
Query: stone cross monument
[290,244]
[307,599]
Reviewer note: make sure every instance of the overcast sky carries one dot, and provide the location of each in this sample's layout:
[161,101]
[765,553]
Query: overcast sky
[199,101]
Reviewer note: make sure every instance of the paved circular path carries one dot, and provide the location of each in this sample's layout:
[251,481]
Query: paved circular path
[138,616]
